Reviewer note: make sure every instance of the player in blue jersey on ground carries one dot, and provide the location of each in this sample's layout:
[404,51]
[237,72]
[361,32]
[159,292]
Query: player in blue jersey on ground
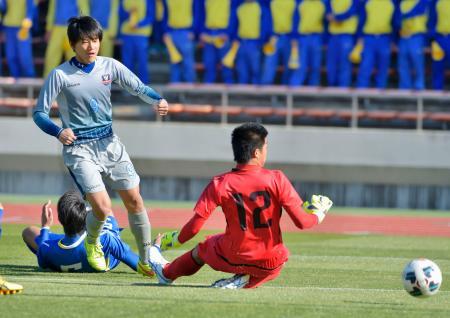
[92,153]
[66,252]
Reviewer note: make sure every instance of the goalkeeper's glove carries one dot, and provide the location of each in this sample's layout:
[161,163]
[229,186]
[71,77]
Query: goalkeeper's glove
[169,240]
[319,206]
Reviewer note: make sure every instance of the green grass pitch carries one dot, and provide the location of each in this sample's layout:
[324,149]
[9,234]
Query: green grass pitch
[326,276]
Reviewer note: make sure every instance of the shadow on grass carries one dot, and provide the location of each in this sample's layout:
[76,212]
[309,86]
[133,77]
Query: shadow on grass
[13,269]
[171,286]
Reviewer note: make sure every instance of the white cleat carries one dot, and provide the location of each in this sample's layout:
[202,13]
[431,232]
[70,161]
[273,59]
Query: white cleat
[157,262]
[238,281]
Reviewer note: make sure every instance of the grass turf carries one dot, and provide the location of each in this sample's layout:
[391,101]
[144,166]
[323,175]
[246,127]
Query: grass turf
[326,276]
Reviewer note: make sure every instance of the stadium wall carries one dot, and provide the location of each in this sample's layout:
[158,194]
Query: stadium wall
[356,167]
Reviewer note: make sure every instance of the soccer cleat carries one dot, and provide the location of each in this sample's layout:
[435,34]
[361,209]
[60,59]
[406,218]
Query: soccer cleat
[238,281]
[157,262]
[7,288]
[95,256]
[145,270]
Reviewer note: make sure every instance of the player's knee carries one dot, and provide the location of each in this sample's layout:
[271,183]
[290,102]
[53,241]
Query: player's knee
[27,233]
[135,204]
[196,257]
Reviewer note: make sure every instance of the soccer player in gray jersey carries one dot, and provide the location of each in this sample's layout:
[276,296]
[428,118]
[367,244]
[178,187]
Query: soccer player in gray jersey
[92,152]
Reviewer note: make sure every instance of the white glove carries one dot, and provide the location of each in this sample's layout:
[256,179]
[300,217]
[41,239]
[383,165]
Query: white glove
[319,206]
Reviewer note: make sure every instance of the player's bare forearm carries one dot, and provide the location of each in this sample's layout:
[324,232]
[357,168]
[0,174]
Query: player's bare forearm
[47,215]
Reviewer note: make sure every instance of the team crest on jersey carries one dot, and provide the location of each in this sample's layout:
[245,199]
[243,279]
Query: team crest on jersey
[106,79]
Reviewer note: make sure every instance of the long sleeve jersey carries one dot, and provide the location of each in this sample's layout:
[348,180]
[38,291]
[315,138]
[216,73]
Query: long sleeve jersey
[84,99]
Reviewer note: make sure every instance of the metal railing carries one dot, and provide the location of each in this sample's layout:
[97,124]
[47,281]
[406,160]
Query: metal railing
[421,99]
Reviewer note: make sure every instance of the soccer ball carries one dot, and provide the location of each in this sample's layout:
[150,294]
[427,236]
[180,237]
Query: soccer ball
[422,278]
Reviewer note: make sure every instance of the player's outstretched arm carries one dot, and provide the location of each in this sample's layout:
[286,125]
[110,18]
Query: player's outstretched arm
[319,206]
[175,239]
[129,81]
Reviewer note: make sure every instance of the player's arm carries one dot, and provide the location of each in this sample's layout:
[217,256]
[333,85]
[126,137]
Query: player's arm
[41,255]
[46,223]
[303,215]
[189,230]
[129,81]
[206,204]
[349,13]
[419,9]
[52,87]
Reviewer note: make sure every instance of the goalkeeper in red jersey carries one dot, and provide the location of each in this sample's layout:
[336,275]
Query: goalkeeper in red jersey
[251,198]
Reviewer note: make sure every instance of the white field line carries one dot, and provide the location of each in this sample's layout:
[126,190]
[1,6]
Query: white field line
[22,279]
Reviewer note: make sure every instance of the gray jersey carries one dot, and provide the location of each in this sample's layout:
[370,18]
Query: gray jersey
[84,99]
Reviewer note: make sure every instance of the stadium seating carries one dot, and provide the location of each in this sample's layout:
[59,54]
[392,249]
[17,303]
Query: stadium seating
[268,104]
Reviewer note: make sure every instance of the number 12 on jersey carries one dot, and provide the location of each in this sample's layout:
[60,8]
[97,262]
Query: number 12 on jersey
[256,213]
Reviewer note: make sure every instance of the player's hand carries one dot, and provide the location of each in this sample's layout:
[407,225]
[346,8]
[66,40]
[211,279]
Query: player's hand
[169,240]
[320,205]
[47,215]
[67,137]
[162,108]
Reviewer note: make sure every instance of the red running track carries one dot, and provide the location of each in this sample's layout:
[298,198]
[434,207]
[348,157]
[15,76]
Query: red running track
[348,224]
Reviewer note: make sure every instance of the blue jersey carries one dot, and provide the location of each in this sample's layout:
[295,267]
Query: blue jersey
[62,253]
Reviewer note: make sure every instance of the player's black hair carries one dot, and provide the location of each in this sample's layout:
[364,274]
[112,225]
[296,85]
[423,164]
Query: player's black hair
[72,212]
[245,139]
[83,27]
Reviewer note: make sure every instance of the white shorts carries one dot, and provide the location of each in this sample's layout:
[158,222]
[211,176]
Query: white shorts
[97,162]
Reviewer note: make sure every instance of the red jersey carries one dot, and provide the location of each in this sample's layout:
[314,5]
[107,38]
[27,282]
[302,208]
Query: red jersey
[252,199]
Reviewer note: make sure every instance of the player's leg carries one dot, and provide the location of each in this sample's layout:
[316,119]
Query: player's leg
[255,62]
[305,59]
[255,281]
[241,65]
[332,60]
[418,61]
[209,62]
[107,46]
[26,58]
[403,65]
[139,225]
[269,67]
[316,60]
[367,63]
[54,50]
[345,65]
[186,265]
[384,61]
[95,219]
[185,44]
[11,51]
[29,235]
[67,49]
[83,165]
[141,45]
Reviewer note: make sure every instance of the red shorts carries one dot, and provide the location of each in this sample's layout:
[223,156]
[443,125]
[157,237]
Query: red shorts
[207,252]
